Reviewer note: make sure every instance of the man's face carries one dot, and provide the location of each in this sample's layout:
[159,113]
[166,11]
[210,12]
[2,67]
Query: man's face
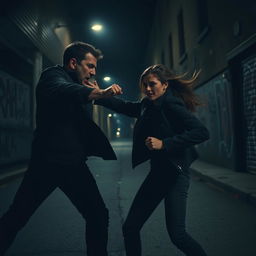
[86,68]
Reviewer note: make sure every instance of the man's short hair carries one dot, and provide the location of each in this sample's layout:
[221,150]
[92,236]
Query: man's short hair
[78,50]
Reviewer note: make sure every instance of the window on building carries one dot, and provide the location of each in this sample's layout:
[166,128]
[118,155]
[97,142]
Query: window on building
[182,49]
[162,58]
[170,51]
[202,15]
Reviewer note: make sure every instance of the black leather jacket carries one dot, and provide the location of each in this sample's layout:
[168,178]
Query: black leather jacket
[179,129]
[65,131]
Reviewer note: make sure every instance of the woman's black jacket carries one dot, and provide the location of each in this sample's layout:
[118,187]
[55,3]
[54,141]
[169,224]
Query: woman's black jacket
[176,126]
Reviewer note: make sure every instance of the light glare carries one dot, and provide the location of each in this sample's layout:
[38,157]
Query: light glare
[97,27]
[107,78]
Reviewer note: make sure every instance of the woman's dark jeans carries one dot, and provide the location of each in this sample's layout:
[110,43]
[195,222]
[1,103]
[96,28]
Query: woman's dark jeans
[161,183]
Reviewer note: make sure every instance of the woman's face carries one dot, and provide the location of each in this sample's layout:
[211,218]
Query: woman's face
[152,87]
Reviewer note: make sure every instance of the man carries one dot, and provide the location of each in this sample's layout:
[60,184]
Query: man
[64,137]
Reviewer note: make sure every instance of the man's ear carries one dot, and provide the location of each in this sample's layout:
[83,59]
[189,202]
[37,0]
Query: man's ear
[72,64]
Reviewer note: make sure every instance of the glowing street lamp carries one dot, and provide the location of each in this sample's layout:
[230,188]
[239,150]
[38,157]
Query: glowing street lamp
[107,78]
[109,125]
[97,27]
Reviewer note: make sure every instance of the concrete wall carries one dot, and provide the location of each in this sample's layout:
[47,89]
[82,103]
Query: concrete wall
[220,50]
[28,43]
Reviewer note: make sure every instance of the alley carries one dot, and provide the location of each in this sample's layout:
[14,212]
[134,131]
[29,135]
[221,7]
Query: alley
[224,225]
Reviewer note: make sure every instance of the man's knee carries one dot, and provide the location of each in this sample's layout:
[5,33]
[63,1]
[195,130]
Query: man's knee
[13,221]
[7,236]
[104,216]
[129,229]
[99,217]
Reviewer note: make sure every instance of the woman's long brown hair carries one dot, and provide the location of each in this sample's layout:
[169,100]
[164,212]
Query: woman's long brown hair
[179,85]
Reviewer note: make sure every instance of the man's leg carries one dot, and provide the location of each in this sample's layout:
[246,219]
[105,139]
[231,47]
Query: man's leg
[80,187]
[35,187]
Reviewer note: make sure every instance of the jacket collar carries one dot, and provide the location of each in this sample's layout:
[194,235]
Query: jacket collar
[159,101]
[71,75]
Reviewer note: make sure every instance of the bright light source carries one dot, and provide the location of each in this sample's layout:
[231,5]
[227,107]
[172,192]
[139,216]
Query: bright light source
[97,27]
[117,134]
[109,115]
[107,78]
[119,129]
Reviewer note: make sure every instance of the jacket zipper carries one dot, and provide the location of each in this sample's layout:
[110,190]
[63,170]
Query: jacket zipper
[178,167]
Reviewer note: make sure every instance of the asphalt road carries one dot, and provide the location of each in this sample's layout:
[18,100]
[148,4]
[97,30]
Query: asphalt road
[224,225]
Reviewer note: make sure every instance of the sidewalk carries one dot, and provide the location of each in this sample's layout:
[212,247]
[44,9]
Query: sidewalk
[11,174]
[241,185]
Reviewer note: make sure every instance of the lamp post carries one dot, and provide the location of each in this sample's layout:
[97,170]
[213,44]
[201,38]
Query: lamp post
[109,116]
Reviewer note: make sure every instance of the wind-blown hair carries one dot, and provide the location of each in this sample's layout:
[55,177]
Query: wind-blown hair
[178,84]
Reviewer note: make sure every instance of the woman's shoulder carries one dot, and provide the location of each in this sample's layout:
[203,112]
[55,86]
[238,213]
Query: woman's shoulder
[171,99]
[144,101]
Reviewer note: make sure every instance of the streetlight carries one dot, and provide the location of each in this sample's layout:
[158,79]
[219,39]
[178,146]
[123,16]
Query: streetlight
[109,126]
[107,78]
[97,27]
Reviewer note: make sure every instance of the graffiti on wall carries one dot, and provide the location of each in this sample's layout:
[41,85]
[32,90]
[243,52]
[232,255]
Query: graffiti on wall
[15,119]
[14,102]
[249,103]
[217,115]
[15,146]
[8,145]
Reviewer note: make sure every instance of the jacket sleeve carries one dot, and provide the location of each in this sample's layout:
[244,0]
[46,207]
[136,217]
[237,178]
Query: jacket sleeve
[53,84]
[194,132]
[121,106]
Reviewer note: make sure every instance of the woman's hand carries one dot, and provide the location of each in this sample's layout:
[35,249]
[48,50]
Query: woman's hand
[153,143]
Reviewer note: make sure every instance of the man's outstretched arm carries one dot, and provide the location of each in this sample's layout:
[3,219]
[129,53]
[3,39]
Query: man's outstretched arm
[98,93]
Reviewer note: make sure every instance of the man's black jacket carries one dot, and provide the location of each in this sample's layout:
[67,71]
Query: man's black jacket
[65,132]
[167,119]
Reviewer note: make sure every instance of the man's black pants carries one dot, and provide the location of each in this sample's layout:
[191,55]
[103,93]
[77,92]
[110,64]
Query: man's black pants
[79,186]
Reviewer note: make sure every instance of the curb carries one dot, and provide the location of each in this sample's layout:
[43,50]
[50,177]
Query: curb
[12,175]
[224,184]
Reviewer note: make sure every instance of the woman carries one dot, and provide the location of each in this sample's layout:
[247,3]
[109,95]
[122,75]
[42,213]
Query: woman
[165,132]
